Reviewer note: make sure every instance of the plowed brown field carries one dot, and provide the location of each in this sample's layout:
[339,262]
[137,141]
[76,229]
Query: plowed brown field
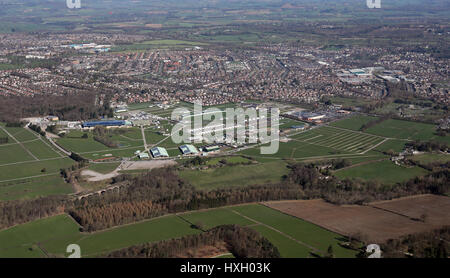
[378,221]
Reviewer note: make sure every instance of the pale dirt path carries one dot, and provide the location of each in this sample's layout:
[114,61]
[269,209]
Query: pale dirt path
[128,165]
[144,139]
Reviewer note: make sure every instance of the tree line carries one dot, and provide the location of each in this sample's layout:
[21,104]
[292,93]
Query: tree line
[162,191]
[434,244]
[71,107]
[242,242]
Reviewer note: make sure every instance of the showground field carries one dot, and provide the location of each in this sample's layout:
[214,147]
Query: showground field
[128,142]
[50,237]
[323,142]
[239,175]
[30,165]
[383,171]
[366,150]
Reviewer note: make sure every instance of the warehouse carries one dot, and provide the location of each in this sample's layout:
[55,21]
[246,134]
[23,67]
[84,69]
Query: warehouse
[159,152]
[211,148]
[188,149]
[104,123]
[143,155]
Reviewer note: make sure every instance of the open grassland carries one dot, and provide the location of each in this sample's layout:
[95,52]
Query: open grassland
[30,169]
[51,236]
[383,171]
[353,123]
[321,142]
[431,158]
[212,218]
[236,175]
[392,144]
[41,149]
[228,160]
[407,130]
[34,188]
[54,234]
[129,141]
[21,134]
[303,234]
[13,153]
[104,167]
[30,166]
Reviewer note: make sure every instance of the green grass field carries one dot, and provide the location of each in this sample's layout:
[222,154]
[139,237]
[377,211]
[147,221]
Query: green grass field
[407,130]
[305,232]
[31,168]
[34,188]
[384,171]
[50,236]
[104,168]
[431,158]
[353,123]
[129,142]
[228,159]
[236,175]
[319,143]
[392,144]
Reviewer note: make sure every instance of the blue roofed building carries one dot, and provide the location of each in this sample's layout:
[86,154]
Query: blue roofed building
[105,123]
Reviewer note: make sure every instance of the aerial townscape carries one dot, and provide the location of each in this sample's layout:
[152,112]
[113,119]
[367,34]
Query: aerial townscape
[311,129]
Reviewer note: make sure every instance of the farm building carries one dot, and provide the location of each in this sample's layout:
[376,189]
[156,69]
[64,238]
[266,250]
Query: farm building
[159,152]
[312,116]
[300,127]
[143,155]
[211,148]
[188,149]
[105,123]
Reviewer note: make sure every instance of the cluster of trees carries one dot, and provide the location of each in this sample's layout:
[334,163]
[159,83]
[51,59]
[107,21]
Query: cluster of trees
[197,161]
[106,141]
[4,140]
[71,107]
[340,163]
[162,191]
[37,129]
[18,212]
[434,244]
[14,124]
[241,241]
[373,123]
[78,157]
[102,135]
[428,146]
[52,129]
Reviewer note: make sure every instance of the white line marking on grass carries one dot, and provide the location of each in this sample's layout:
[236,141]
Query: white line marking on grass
[23,147]
[375,146]
[360,141]
[364,144]
[305,140]
[30,177]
